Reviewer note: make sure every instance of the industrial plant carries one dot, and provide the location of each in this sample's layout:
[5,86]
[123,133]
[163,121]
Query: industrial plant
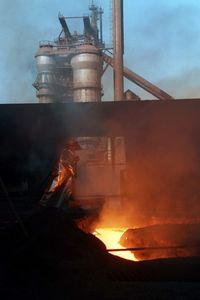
[95,193]
[70,70]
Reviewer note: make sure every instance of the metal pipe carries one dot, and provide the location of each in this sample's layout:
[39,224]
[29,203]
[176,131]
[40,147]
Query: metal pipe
[118,49]
[101,25]
[152,248]
[140,81]
[146,85]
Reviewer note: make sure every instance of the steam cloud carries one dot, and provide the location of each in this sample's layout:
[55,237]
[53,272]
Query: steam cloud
[163,166]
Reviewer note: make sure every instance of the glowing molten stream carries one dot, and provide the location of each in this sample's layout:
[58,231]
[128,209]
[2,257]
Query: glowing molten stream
[110,237]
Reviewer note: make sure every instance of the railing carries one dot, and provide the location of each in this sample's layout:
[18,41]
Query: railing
[45,43]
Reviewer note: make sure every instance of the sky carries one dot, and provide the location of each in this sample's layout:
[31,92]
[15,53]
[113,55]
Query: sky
[162,43]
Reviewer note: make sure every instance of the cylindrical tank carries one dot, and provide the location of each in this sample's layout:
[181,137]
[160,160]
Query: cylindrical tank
[46,81]
[87,71]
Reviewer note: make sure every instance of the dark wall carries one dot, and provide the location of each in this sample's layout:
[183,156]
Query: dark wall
[162,138]
[164,160]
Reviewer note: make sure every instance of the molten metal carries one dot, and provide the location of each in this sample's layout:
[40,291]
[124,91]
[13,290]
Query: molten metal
[110,237]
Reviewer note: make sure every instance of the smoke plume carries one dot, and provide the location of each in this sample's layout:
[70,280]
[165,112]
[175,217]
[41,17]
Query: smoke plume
[164,45]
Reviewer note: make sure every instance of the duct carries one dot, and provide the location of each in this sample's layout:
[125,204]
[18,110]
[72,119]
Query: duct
[65,27]
[140,81]
[89,30]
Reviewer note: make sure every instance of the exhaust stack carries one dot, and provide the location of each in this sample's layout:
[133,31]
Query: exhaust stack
[118,42]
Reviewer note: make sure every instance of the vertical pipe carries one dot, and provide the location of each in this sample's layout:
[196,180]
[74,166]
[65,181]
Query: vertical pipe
[118,49]
[101,26]
[113,152]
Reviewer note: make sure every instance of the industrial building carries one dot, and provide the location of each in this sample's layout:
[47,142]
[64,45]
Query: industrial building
[70,70]
[138,166]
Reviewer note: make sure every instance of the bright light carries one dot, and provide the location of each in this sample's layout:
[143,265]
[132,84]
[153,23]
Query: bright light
[110,237]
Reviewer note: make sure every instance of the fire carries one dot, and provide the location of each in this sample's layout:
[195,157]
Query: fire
[110,237]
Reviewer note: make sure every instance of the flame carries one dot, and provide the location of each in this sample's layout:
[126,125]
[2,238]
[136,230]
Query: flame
[110,237]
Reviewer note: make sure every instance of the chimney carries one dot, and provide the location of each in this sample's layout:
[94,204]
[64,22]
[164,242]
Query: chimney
[118,43]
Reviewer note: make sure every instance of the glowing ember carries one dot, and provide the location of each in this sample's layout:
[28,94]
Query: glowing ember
[110,237]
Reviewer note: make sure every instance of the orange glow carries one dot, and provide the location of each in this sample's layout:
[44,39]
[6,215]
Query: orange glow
[110,237]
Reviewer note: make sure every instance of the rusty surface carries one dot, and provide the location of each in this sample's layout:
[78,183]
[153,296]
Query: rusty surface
[118,50]
[140,81]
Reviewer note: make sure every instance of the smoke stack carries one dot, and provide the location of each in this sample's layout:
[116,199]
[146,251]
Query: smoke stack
[118,41]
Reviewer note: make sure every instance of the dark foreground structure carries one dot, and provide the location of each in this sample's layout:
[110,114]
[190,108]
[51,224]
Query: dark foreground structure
[53,259]
[57,261]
